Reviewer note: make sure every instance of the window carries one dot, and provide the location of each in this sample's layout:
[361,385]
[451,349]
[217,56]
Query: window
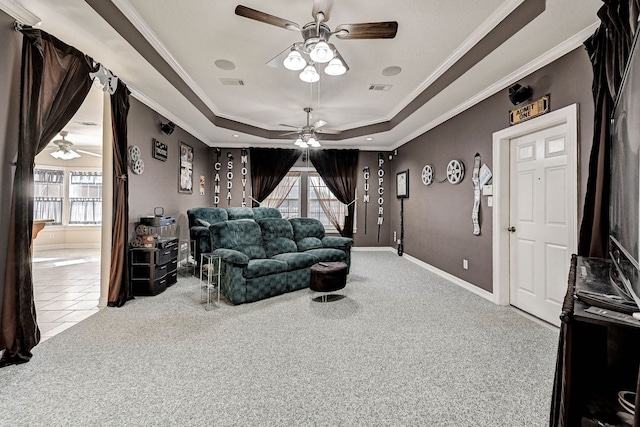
[286,196]
[48,195]
[323,205]
[304,193]
[85,197]
[81,203]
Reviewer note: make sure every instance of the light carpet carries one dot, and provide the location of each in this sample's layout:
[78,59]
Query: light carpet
[405,347]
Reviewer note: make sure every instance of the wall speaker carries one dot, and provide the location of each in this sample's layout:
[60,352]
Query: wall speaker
[167,128]
[519,93]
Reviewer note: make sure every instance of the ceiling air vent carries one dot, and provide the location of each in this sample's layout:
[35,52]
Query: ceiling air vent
[232,82]
[379,87]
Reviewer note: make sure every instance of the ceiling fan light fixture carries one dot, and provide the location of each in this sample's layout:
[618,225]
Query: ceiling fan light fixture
[65,154]
[309,74]
[321,53]
[335,67]
[294,61]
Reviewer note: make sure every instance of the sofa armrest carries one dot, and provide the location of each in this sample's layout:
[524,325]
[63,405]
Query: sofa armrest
[236,258]
[199,231]
[337,242]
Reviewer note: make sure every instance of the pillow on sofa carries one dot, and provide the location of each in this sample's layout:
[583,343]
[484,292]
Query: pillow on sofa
[309,243]
[203,222]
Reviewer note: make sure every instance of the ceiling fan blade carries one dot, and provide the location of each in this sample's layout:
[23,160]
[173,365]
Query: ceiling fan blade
[247,12]
[319,124]
[329,131]
[370,30]
[291,126]
[322,6]
[89,153]
[289,133]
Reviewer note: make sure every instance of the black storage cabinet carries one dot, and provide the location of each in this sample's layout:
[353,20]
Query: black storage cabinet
[152,270]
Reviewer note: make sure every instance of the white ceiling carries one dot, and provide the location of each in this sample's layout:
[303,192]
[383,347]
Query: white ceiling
[190,35]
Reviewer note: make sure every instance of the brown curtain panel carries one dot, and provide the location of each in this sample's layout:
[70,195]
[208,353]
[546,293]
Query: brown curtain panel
[119,291]
[268,167]
[608,49]
[54,83]
[339,171]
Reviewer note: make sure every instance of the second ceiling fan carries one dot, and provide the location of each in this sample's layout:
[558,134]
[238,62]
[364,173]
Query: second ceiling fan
[315,35]
[307,134]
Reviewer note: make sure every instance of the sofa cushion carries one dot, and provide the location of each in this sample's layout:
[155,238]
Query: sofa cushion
[306,227]
[279,245]
[309,243]
[240,213]
[277,235]
[297,260]
[264,267]
[242,235]
[328,254]
[265,212]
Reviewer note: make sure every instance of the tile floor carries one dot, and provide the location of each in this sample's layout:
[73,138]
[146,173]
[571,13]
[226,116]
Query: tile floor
[66,285]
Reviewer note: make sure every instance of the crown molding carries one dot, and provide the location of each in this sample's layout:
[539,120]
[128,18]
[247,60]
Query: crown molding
[167,114]
[543,60]
[19,13]
[142,26]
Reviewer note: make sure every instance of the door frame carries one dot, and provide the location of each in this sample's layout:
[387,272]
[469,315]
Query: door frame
[501,185]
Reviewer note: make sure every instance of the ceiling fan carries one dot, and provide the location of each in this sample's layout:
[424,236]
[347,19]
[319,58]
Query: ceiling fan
[315,35]
[65,152]
[307,134]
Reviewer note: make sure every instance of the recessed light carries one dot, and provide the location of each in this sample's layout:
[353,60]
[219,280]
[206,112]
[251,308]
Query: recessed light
[235,135]
[369,138]
[224,64]
[391,71]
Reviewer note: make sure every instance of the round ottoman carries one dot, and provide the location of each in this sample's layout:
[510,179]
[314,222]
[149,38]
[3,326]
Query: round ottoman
[328,277]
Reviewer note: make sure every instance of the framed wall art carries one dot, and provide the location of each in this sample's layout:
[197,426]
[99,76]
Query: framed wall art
[185,182]
[402,184]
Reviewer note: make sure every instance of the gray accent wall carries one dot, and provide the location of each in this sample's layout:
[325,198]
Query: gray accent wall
[437,218]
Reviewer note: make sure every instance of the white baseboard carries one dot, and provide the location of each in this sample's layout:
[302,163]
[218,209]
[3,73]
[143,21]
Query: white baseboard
[372,248]
[450,277]
[66,246]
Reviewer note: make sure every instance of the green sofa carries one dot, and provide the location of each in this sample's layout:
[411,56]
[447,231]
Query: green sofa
[200,219]
[270,256]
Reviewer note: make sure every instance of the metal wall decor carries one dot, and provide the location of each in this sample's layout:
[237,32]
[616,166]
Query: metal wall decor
[216,179]
[427,175]
[366,175]
[243,172]
[135,162]
[455,171]
[229,176]
[380,192]
[475,179]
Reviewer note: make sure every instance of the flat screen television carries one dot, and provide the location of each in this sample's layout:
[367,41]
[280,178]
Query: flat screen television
[624,208]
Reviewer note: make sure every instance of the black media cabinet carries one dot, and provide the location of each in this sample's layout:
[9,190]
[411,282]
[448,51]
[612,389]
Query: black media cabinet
[152,270]
[598,356]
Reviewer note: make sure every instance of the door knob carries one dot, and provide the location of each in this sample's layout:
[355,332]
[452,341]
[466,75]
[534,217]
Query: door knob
[511,229]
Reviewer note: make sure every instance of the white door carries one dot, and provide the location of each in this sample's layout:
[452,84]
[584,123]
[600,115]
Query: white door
[542,220]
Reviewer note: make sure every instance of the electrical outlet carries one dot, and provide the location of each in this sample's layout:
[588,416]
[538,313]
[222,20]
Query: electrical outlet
[465,264]
[51,235]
